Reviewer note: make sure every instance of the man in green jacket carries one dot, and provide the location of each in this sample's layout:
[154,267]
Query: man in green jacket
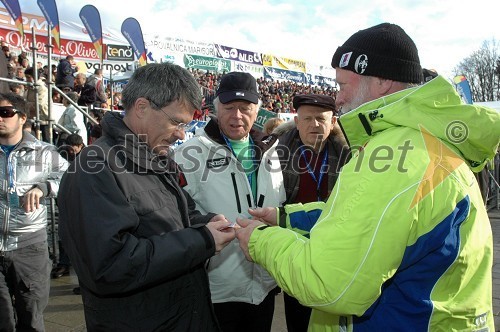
[404,241]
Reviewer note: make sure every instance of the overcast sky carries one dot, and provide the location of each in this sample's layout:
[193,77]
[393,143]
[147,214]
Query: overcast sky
[445,31]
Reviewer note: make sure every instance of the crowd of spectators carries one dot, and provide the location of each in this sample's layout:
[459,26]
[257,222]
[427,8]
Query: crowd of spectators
[276,96]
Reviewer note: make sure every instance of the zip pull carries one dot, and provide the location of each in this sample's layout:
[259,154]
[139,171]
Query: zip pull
[236,195]
[261,200]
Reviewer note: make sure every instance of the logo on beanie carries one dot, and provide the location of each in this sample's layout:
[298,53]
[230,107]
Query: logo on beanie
[361,64]
[344,60]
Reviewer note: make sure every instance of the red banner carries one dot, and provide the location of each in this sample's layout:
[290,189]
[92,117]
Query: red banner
[79,49]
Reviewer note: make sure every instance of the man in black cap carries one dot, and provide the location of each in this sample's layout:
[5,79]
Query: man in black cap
[228,169]
[312,150]
[404,242]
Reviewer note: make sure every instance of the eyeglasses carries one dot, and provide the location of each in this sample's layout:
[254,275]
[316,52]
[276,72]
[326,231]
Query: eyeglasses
[8,111]
[178,125]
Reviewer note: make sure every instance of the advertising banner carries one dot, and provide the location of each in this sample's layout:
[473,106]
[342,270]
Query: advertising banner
[255,70]
[119,53]
[463,88]
[14,10]
[262,117]
[91,19]
[320,80]
[286,75]
[131,30]
[232,53]
[162,44]
[206,63]
[160,55]
[269,60]
[49,10]
[80,50]
[175,58]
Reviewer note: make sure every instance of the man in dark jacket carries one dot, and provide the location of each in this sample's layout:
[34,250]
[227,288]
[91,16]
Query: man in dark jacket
[65,71]
[134,240]
[312,151]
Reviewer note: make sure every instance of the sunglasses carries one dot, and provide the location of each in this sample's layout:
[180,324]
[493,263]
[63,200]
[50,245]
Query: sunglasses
[8,111]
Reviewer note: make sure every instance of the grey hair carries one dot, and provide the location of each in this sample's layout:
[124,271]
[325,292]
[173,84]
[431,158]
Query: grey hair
[217,102]
[162,84]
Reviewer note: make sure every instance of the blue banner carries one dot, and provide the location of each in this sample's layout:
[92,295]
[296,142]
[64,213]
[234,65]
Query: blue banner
[131,30]
[14,10]
[232,53]
[283,74]
[91,19]
[463,88]
[49,10]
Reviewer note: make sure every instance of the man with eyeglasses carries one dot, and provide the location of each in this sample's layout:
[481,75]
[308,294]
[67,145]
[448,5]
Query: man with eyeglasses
[227,168]
[137,245]
[30,171]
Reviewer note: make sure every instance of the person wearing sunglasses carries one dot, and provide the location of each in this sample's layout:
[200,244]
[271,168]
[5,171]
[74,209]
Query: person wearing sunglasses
[135,242]
[31,171]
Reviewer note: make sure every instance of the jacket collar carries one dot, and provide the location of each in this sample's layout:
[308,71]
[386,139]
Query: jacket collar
[127,141]
[432,107]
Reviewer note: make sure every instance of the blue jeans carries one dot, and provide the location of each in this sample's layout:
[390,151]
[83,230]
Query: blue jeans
[24,287]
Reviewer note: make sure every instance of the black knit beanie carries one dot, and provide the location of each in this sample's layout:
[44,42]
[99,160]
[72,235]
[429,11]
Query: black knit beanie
[384,51]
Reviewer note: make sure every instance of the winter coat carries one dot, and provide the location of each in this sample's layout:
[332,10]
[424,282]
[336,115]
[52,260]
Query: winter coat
[134,240]
[217,183]
[34,164]
[289,151]
[404,241]
[64,75]
[93,92]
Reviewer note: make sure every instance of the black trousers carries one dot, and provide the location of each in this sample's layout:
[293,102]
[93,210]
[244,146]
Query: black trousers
[246,317]
[296,315]
[24,287]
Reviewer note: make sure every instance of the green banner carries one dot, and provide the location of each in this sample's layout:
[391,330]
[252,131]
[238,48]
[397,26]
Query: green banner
[262,117]
[207,63]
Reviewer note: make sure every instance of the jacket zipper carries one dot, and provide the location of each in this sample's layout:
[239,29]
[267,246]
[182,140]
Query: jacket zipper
[235,187]
[7,208]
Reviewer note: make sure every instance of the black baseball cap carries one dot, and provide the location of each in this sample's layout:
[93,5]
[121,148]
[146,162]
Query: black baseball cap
[237,86]
[322,101]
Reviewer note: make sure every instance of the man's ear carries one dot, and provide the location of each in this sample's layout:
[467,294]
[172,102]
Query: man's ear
[23,118]
[334,118]
[383,86]
[296,120]
[140,107]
